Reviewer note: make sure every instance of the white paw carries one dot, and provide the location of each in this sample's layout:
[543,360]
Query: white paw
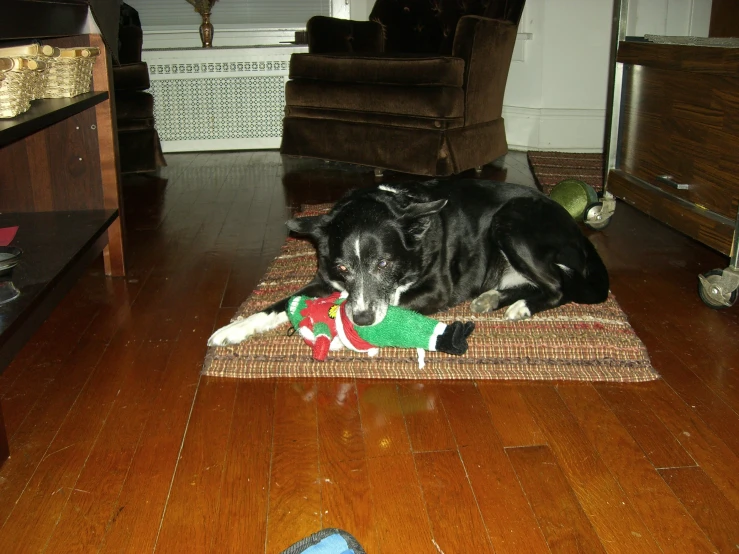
[240,330]
[518,310]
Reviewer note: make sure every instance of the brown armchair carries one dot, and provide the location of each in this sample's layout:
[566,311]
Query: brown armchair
[418,88]
[138,142]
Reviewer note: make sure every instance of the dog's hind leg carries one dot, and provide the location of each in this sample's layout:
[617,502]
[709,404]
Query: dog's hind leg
[522,302]
[487,302]
[266,320]
[526,286]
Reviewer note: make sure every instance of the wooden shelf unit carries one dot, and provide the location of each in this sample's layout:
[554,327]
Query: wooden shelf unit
[59,178]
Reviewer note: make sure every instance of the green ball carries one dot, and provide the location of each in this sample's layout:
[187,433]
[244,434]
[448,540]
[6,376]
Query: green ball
[574,196]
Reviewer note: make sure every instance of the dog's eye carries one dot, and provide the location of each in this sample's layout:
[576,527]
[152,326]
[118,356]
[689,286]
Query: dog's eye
[342,268]
[382,264]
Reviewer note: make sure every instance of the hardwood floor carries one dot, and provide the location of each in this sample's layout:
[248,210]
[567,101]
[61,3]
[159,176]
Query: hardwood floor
[118,445]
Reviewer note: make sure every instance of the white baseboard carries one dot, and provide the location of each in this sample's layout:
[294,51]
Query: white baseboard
[554,129]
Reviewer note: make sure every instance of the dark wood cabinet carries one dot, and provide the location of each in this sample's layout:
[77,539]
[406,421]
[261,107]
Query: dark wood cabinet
[59,177]
[678,137]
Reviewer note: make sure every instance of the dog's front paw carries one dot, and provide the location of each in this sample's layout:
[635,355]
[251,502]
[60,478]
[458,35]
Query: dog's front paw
[240,330]
[518,310]
[230,334]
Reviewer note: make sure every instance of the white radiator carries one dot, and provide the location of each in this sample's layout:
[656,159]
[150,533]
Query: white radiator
[230,98]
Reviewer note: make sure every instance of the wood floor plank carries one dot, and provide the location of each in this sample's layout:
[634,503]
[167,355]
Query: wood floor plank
[425,419]
[606,505]
[43,345]
[115,309]
[710,453]
[343,464]
[505,510]
[703,343]
[20,398]
[31,440]
[37,510]
[294,491]
[510,416]
[383,424]
[697,394]
[660,510]
[657,442]
[709,508]
[241,525]
[448,498]
[402,522]
[134,524]
[82,523]
[560,515]
[199,474]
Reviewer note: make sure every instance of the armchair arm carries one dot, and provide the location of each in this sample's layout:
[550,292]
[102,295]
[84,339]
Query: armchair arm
[332,35]
[486,45]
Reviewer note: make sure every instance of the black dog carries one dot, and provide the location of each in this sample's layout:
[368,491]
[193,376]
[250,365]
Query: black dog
[429,246]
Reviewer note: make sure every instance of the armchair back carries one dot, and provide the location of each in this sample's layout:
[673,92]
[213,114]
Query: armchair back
[429,26]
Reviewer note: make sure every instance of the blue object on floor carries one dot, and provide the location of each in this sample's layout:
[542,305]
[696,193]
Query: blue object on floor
[327,541]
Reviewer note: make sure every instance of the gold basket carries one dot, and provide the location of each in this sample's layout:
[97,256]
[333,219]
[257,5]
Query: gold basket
[19,84]
[36,53]
[70,73]
[46,72]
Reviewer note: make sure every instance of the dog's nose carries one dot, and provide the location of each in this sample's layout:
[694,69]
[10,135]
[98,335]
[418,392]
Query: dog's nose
[363,318]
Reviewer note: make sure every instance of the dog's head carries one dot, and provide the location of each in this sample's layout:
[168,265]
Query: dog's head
[371,245]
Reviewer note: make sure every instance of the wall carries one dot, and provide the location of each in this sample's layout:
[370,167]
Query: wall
[669,17]
[556,96]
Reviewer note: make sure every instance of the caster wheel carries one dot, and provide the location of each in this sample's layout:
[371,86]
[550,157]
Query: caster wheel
[595,218]
[711,289]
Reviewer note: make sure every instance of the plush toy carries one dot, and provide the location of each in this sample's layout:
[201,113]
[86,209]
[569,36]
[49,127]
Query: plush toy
[324,325]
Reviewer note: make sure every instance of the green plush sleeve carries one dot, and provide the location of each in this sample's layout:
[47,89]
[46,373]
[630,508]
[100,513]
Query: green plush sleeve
[403,328]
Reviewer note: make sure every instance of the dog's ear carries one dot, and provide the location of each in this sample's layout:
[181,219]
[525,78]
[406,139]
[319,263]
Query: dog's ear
[416,215]
[308,225]
[423,209]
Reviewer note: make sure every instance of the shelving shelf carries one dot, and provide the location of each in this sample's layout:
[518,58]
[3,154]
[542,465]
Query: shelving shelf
[59,177]
[57,247]
[44,113]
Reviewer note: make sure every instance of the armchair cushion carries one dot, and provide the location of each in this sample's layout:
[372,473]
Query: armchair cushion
[381,68]
[434,102]
[328,34]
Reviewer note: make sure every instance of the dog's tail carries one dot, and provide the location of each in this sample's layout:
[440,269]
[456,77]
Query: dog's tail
[590,285]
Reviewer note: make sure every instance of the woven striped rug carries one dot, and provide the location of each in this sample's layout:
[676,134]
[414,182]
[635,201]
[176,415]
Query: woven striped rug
[549,168]
[573,342]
